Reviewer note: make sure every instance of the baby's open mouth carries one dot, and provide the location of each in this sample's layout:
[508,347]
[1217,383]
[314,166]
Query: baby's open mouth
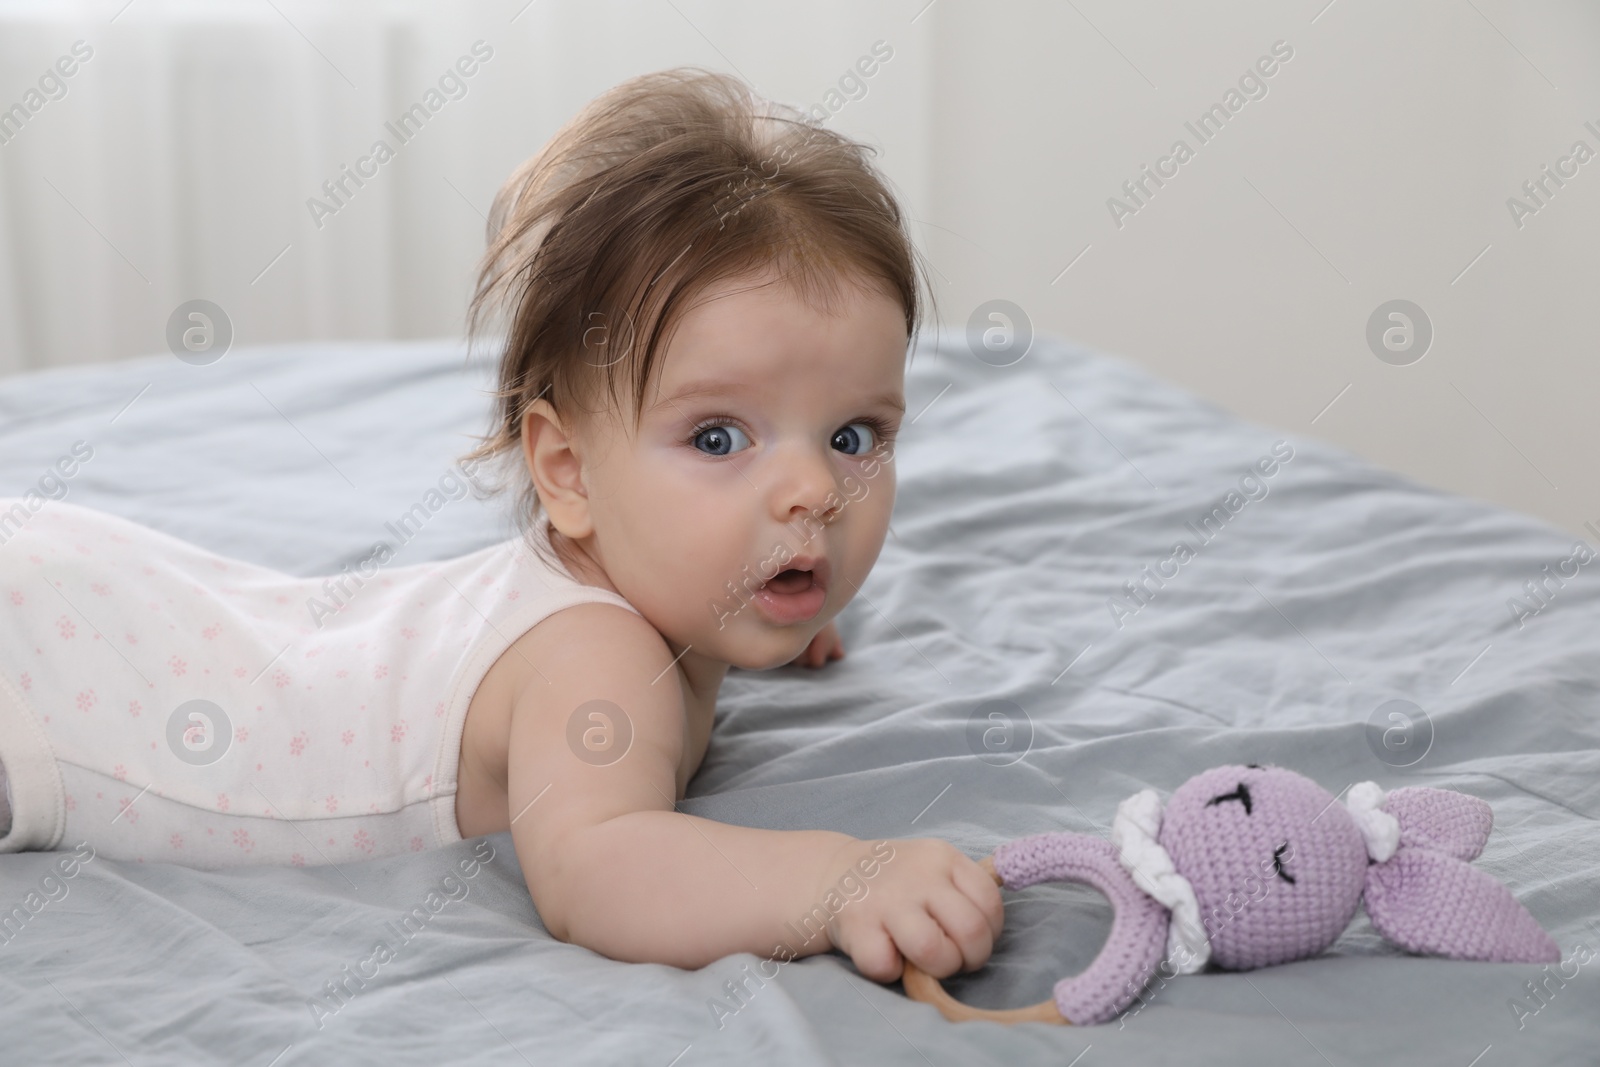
[795,594]
[790,581]
[802,574]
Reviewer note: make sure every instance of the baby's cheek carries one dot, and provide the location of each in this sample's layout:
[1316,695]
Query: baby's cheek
[873,513]
[855,489]
[878,500]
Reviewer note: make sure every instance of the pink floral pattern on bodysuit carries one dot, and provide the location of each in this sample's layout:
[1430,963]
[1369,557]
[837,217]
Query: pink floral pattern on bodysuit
[382,803]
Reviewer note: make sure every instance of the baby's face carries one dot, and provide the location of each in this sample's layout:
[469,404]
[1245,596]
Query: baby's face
[763,446]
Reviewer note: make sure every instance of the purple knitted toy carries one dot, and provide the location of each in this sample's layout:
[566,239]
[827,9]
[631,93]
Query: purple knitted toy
[1250,866]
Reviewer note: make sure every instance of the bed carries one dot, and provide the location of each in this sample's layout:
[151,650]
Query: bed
[1030,496]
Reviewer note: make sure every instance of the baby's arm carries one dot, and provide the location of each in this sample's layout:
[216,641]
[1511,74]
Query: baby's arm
[613,867]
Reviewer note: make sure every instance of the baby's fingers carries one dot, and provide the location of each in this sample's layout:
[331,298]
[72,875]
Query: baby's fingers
[965,925]
[975,883]
[873,952]
[922,940]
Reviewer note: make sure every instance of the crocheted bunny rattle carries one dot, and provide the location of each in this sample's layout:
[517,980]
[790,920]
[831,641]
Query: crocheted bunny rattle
[1250,866]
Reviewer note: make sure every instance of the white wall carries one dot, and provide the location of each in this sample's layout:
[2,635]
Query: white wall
[1377,166]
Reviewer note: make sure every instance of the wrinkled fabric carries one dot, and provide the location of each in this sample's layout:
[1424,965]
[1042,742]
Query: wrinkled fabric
[1032,648]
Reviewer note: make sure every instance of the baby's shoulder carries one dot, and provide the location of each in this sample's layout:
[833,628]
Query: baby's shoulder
[571,647]
[592,651]
[596,627]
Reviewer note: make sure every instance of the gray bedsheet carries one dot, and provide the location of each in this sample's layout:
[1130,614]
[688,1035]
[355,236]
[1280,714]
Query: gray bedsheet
[1029,495]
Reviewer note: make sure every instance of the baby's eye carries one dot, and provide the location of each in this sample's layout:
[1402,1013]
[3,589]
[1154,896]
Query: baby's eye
[720,439]
[855,440]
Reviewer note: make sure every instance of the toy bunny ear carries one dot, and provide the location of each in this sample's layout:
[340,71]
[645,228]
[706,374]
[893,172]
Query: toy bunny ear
[1429,902]
[1453,823]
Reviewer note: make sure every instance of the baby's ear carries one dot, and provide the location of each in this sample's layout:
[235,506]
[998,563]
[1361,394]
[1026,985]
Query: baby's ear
[550,449]
[1456,824]
[1429,902]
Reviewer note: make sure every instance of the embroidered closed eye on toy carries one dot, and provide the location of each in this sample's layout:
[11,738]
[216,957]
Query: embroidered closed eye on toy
[1250,866]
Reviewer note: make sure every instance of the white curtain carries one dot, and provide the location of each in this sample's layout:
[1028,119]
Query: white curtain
[177,160]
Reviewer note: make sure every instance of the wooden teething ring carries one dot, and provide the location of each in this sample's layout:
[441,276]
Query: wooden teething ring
[1133,948]
[920,985]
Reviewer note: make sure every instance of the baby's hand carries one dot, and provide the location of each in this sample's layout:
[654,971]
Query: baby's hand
[928,903]
[823,647]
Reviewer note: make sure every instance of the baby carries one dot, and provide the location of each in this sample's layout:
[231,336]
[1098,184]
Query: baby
[708,304]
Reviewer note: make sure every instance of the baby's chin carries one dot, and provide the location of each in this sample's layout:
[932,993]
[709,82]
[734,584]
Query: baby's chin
[777,648]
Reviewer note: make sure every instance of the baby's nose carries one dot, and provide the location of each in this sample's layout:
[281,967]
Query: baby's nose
[807,488]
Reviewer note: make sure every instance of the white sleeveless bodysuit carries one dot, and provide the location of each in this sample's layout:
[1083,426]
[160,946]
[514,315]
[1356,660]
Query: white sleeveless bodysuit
[160,702]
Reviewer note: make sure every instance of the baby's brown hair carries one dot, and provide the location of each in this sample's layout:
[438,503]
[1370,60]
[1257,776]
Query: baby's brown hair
[660,187]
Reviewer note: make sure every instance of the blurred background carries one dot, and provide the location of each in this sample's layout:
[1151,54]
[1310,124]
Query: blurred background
[1380,229]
